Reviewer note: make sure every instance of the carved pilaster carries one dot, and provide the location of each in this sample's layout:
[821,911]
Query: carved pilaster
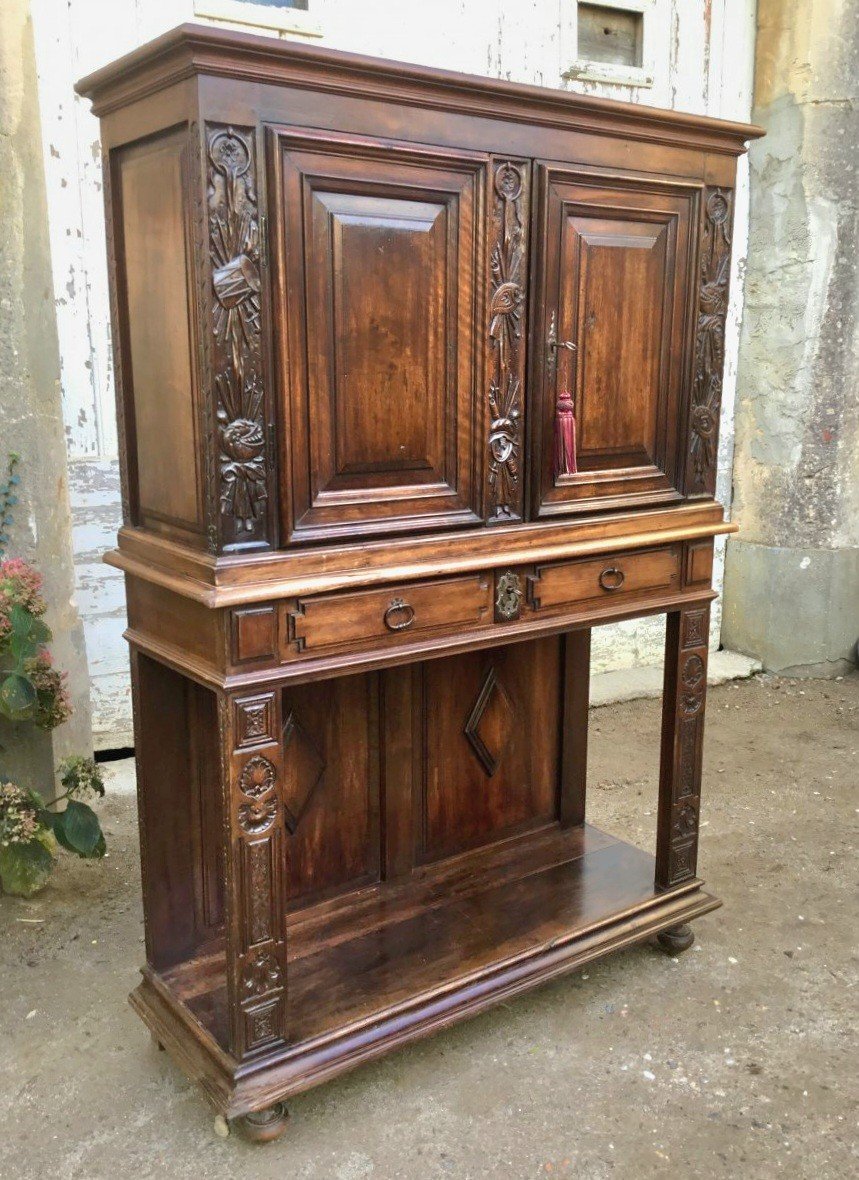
[714,275]
[256,933]
[682,742]
[234,350]
[507,303]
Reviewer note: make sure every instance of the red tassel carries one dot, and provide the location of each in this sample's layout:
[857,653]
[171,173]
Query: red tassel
[565,436]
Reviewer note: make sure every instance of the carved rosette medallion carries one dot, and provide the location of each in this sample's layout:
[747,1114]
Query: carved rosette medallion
[507,355]
[715,266]
[261,975]
[257,777]
[258,815]
[234,248]
[692,677]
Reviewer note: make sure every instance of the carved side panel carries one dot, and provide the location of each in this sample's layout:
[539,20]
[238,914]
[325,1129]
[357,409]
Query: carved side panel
[682,738]
[507,304]
[256,947]
[714,275]
[242,468]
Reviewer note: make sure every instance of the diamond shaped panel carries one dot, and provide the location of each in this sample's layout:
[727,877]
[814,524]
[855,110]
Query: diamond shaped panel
[303,768]
[490,724]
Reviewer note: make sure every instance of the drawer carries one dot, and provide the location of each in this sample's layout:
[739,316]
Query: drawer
[395,613]
[604,578]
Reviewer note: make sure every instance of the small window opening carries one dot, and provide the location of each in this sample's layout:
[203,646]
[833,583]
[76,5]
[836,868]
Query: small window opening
[611,35]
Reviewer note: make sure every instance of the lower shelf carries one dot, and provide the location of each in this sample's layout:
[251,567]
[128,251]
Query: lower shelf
[403,960]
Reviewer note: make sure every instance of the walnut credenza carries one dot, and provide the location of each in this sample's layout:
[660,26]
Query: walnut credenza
[418,380]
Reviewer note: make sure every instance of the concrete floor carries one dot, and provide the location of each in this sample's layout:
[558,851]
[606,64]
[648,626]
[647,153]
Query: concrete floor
[738,1059]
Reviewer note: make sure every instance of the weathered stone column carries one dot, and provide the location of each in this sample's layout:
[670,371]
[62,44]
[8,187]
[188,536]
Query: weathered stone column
[30,414]
[792,576]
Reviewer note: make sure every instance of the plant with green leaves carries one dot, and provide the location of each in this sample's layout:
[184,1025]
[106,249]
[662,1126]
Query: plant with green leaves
[33,691]
[8,499]
[31,833]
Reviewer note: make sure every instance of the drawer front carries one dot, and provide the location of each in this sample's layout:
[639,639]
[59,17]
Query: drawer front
[397,613]
[604,578]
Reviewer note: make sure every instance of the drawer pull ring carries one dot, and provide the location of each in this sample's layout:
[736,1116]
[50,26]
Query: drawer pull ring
[612,578]
[399,607]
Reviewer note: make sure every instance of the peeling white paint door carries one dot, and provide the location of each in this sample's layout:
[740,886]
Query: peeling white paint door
[701,55]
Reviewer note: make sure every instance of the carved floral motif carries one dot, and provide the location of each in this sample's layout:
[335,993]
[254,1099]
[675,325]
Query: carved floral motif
[235,259]
[257,777]
[505,334]
[261,975]
[258,815]
[710,341]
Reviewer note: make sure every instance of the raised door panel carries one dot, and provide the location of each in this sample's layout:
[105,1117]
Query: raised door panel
[615,326]
[378,250]
[488,746]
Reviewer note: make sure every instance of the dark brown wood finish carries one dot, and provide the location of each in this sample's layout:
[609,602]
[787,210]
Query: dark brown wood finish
[348,297]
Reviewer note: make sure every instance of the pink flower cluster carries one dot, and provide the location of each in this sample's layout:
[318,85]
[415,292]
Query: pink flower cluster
[54,705]
[19,822]
[22,585]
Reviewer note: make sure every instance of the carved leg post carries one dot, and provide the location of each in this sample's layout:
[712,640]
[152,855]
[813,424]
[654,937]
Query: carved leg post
[251,743]
[683,701]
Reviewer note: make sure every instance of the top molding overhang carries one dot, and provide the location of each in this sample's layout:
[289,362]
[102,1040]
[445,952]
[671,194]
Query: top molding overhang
[192,49]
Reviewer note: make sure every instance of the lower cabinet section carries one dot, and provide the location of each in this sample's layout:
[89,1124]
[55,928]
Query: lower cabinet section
[332,868]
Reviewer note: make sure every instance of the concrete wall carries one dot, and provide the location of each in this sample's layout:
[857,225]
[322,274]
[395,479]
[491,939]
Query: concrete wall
[30,419]
[792,582]
[698,57]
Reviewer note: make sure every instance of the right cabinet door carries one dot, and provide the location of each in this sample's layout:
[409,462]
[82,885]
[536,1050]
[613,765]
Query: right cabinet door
[612,339]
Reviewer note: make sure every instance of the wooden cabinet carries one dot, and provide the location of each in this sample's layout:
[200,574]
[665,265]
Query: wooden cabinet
[418,380]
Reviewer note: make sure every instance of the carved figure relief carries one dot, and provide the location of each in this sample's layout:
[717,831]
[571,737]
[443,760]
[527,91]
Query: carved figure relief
[235,260]
[505,335]
[715,268]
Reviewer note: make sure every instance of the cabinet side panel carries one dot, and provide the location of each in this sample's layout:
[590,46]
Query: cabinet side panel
[180,820]
[331,786]
[150,186]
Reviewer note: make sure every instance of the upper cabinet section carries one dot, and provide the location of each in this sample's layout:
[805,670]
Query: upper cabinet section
[616,259]
[377,262]
[355,300]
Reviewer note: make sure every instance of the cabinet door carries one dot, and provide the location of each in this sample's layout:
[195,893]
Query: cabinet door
[611,340]
[377,251]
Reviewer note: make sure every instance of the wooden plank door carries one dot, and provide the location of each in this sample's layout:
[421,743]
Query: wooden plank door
[378,256]
[612,330]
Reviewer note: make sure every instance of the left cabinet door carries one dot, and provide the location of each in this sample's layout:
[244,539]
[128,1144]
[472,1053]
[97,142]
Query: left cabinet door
[377,254]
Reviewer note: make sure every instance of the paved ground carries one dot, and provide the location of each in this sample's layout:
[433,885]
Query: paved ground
[739,1059]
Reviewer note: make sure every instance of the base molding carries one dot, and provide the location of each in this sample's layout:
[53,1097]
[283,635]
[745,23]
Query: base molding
[235,1090]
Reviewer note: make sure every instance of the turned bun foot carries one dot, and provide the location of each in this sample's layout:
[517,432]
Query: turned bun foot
[676,940]
[263,1126]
